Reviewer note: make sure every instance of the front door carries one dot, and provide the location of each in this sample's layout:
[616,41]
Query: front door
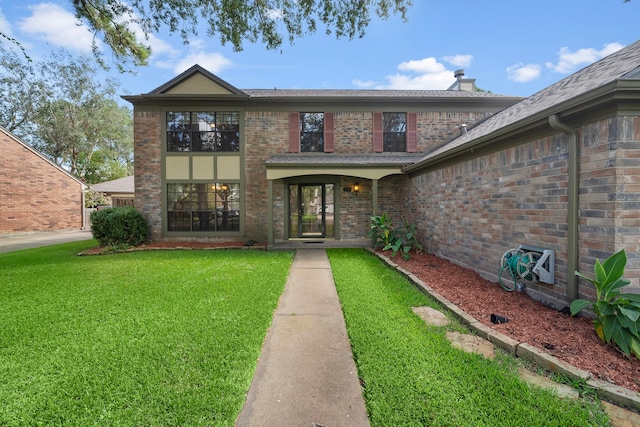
[311,210]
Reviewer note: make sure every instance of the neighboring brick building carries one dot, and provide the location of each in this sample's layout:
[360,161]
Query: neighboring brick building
[559,170]
[35,193]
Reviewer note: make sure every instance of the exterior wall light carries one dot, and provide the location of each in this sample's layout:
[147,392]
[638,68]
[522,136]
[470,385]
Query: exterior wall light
[356,189]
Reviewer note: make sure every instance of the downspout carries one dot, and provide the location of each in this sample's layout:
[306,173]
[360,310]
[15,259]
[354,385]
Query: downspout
[573,215]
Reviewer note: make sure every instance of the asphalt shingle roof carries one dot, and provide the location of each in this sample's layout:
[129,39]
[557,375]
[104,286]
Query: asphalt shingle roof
[358,93]
[356,160]
[617,66]
[121,185]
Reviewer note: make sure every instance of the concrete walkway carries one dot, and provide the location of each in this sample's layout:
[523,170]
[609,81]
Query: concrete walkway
[306,375]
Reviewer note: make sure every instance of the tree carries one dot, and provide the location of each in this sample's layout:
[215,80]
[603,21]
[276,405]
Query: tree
[233,21]
[60,108]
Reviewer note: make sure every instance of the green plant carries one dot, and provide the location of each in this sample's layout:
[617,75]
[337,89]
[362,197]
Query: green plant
[401,239]
[118,227]
[616,313]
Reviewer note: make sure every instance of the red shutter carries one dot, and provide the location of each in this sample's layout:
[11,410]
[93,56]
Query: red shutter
[412,132]
[377,132]
[294,132]
[328,133]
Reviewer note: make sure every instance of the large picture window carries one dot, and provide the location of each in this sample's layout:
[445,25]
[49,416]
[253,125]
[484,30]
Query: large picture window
[394,128]
[311,132]
[212,206]
[203,131]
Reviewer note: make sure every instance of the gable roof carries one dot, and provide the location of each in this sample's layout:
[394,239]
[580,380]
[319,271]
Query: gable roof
[42,156]
[596,81]
[194,72]
[120,185]
[199,85]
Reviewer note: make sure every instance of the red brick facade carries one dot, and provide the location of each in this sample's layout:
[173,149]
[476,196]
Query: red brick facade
[35,194]
[475,210]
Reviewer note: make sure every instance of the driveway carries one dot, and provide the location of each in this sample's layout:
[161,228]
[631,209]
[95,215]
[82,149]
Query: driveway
[16,242]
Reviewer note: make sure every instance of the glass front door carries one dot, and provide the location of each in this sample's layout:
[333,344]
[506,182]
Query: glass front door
[311,210]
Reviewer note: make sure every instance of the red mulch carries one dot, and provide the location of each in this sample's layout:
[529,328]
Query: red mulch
[571,339]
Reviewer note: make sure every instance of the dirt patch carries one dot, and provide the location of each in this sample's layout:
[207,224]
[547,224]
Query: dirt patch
[571,339]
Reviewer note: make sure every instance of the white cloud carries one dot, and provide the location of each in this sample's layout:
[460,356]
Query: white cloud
[521,73]
[570,61]
[5,25]
[211,61]
[420,74]
[51,23]
[422,66]
[365,84]
[459,60]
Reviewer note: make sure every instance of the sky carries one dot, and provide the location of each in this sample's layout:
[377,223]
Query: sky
[510,47]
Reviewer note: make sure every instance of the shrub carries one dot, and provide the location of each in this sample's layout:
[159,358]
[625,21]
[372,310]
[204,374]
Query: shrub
[616,313]
[122,226]
[385,235]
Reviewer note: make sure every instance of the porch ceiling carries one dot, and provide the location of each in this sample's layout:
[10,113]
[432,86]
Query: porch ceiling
[375,166]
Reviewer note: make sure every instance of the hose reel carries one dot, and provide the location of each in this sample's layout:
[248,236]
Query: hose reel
[526,264]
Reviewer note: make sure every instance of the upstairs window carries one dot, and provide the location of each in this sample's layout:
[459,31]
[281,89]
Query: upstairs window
[203,131]
[311,132]
[394,132]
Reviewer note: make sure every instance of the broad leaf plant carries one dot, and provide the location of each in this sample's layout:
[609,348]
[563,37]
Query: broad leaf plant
[617,313]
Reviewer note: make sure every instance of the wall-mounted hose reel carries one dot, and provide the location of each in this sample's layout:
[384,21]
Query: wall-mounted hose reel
[526,264]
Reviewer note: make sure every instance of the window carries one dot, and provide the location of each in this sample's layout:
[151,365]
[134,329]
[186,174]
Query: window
[394,132]
[203,131]
[311,132]
[212,206]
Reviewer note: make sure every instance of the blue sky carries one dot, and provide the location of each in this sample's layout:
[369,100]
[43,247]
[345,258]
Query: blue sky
[511,48]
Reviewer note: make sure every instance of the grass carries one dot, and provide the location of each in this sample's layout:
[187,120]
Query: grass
[413,376]
[143,338]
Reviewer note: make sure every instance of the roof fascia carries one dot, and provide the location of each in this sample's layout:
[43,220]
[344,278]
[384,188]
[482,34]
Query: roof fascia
[192,71]
[536,123]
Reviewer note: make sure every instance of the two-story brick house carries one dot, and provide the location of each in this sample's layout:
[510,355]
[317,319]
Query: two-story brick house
[559,170]
[217,162]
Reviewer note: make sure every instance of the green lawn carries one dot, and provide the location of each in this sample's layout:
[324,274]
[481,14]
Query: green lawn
[414,377]
[142,338]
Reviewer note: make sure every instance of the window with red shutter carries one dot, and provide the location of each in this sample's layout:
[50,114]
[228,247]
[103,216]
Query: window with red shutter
[377,132]
[328,133]
[294,132]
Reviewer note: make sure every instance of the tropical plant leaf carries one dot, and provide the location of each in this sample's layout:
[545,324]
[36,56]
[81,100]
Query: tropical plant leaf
[634,344]
[614,266]
[610,327]
[604,308]
[626,322]
[608,289]
[582,276]
[631,314]
[622,339]
[578,305]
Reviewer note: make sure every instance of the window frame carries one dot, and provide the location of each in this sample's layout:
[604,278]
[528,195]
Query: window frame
[312,140]
[185,130]
[217,202]
[394,132]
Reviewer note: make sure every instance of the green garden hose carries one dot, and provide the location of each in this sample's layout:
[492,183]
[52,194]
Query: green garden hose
[518,264]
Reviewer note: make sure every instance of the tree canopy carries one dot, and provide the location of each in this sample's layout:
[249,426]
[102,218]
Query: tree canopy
[59,107]
[119,23]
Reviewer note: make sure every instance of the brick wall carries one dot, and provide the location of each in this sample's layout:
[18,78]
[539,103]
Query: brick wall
[474,211]
[266,133]
[148,169]
[35,195]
